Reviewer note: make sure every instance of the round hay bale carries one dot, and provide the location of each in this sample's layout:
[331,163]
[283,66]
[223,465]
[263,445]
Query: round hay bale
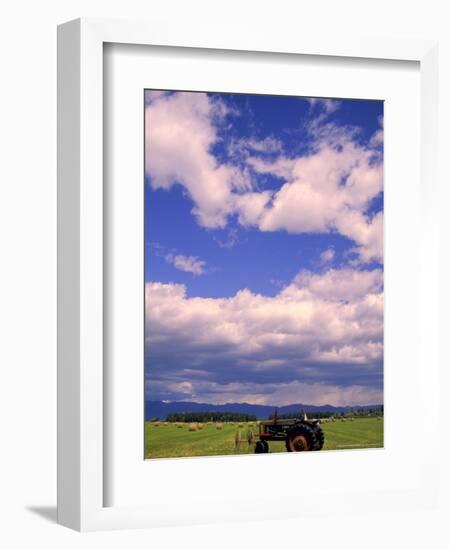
[250,424]
[240,425]
[192,427]
[199,426]
[179,425]
[219,426]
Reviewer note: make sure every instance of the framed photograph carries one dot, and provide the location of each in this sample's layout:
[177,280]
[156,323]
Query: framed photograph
[234,282]
[263,274]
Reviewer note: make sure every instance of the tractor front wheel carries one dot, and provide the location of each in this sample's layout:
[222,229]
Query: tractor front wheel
[261,447]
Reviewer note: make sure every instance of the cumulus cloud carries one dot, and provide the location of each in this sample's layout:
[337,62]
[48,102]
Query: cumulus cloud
[337,285]
[230,240]
[377,138]
[179,133]
[319,337]
[327,255]
[327,105]
[190,264]
[329,190]
[266,145]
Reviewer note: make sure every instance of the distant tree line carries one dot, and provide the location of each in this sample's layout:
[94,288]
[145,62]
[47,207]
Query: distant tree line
[352,412]
[210,417]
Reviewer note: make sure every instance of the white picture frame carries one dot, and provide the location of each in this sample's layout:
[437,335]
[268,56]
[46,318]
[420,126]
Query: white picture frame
[81,386]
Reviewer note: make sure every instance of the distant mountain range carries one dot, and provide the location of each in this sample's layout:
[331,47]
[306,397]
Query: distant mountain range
[160,409]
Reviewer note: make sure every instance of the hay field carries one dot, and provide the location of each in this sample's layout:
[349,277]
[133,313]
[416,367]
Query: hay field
[167,440]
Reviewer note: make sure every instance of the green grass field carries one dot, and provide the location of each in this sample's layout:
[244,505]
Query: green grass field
[169,441]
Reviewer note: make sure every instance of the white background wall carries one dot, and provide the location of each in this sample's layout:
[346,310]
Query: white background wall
[28,269]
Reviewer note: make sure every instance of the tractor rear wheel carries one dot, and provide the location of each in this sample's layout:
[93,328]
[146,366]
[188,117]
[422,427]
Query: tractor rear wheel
[261,447]
[319,437]
[301,438]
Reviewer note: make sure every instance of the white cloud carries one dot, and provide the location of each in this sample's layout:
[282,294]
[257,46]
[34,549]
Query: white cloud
[329,106]
[266,145]
[327,255]
[328,190]
[341,285]
[377,138]
[230,240]
[321,329]
[179,134]
[251,206]
[191,264]
[367,233]
[153,95]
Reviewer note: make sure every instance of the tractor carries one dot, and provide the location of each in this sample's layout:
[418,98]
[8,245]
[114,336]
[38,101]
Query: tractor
[300,434]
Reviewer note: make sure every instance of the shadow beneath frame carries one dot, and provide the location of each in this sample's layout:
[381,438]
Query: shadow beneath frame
[49,513]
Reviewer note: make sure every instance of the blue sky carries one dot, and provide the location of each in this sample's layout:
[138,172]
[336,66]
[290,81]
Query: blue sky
[264,239]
